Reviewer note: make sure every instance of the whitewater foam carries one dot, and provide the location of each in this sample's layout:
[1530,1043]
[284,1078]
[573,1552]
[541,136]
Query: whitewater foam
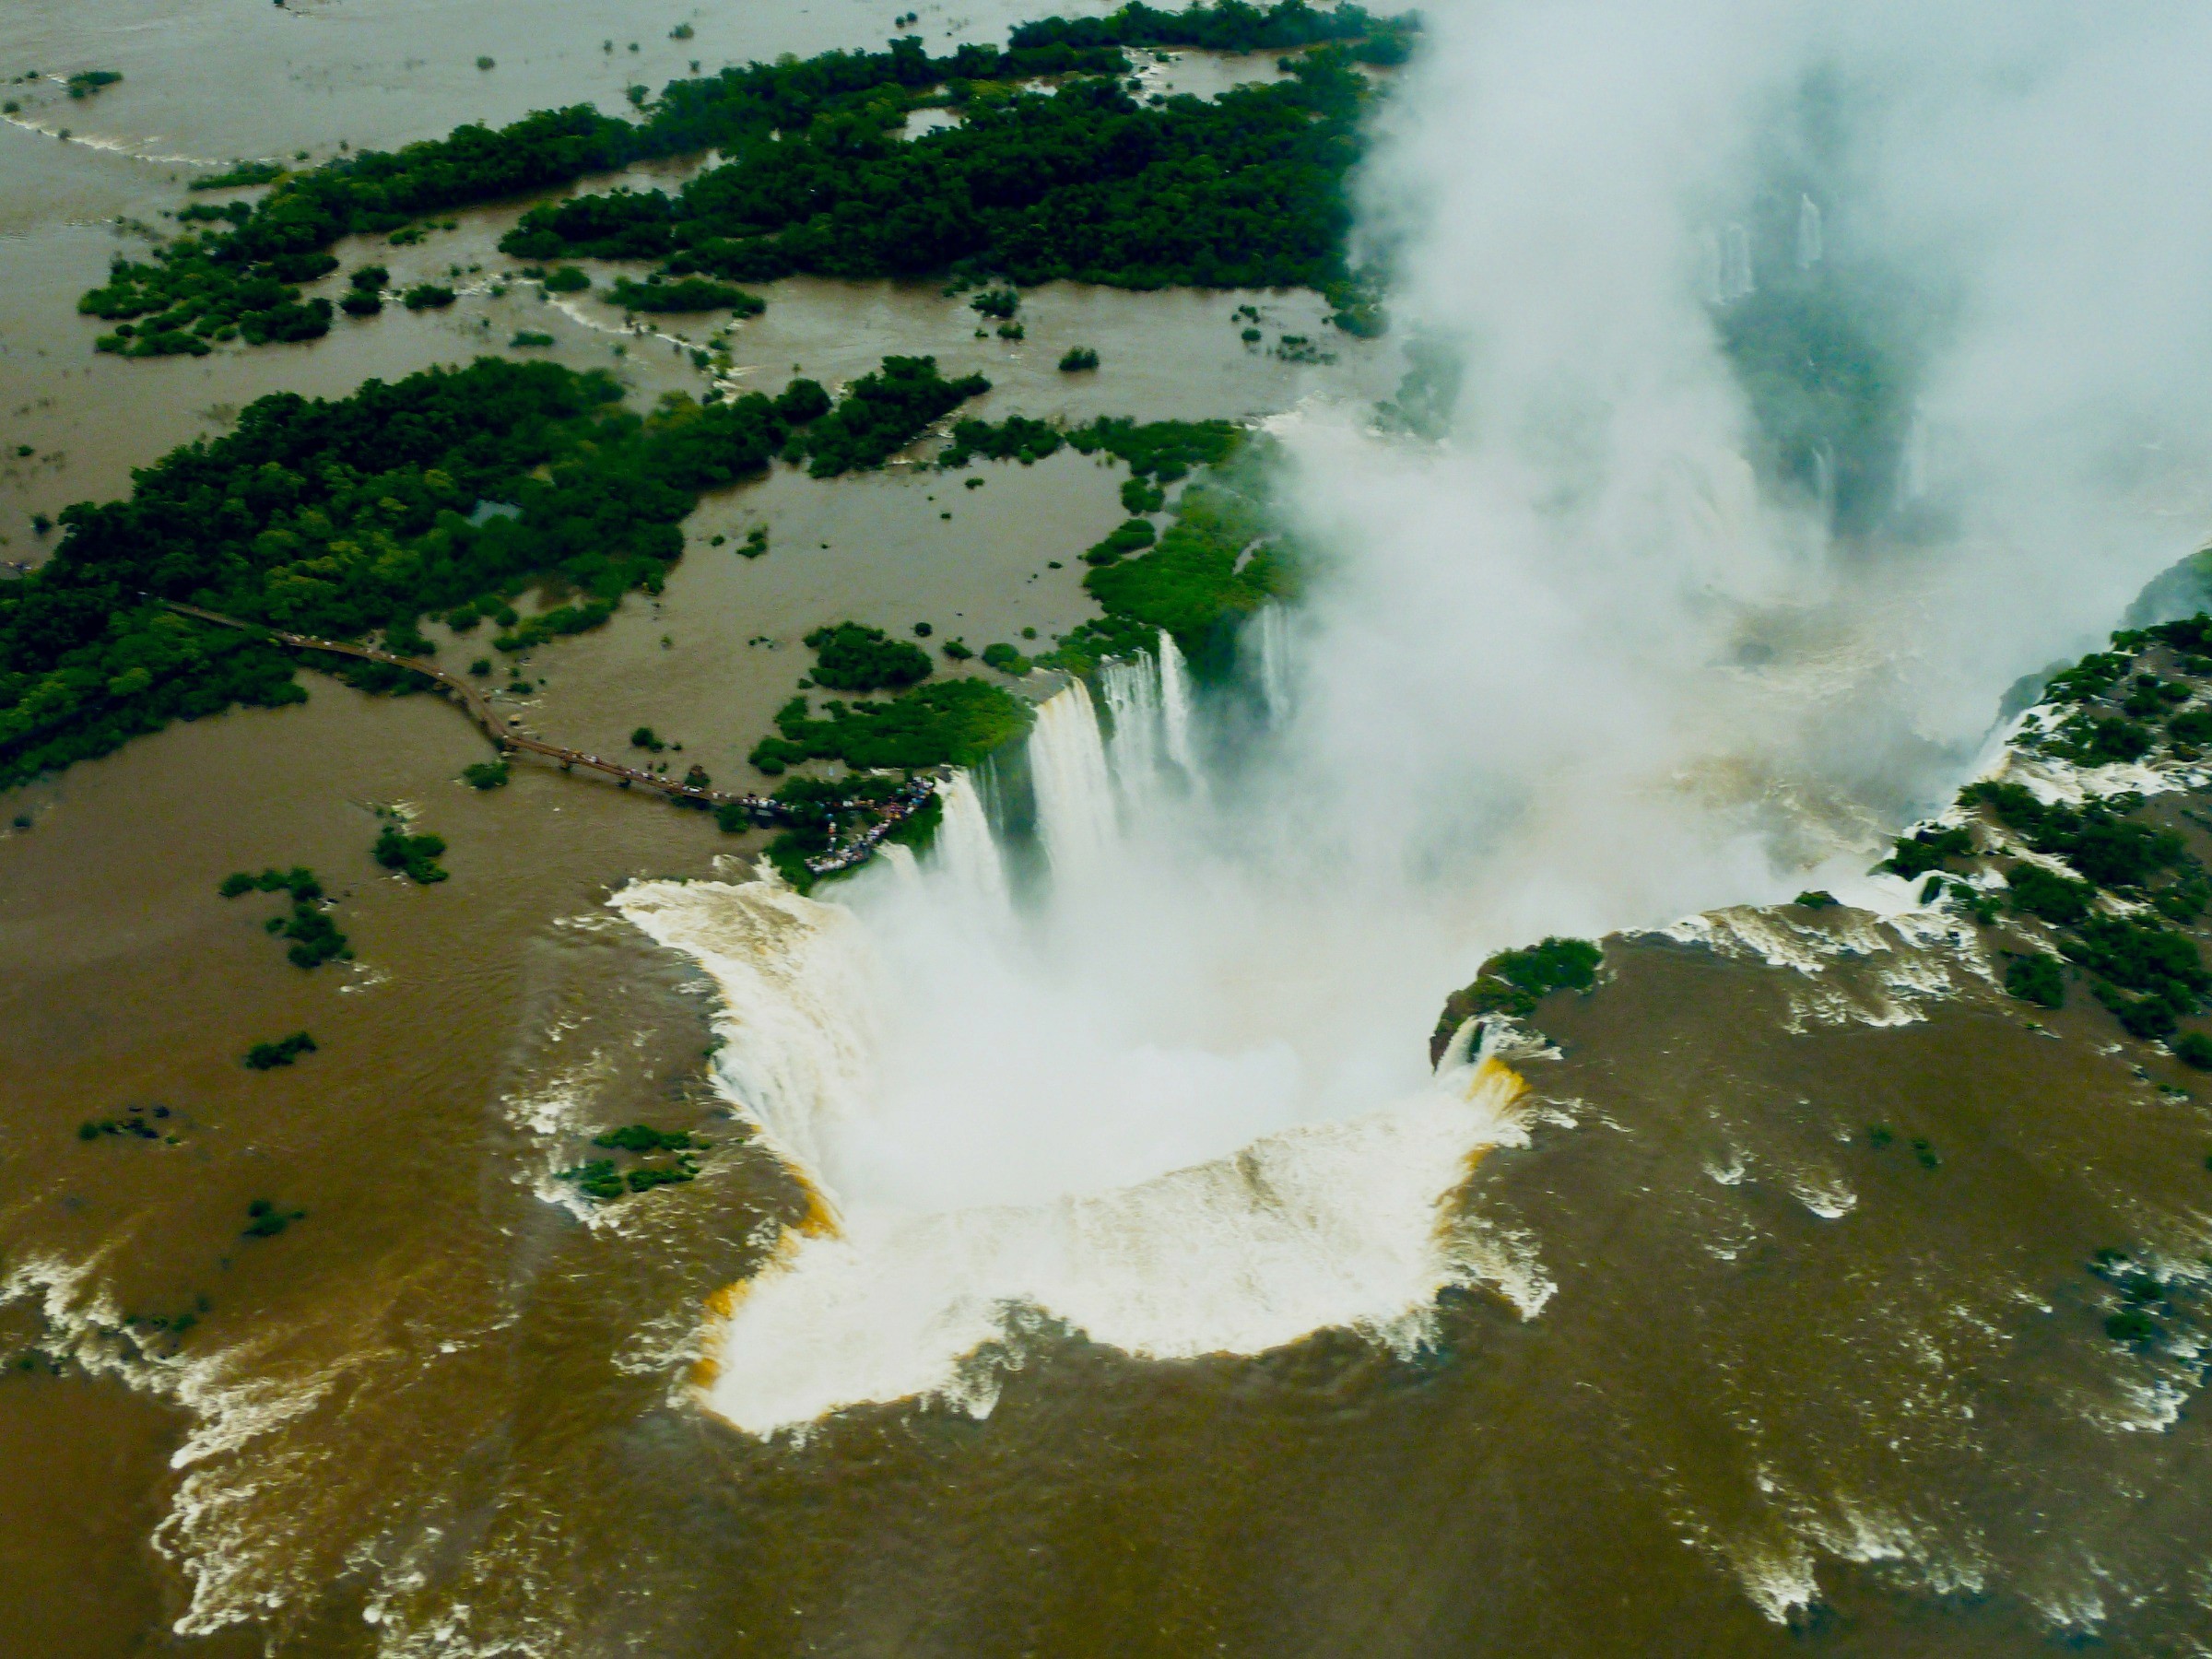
[1324,1225]
[1343,1223]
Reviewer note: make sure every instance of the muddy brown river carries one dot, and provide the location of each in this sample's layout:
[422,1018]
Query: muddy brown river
[1726,1373]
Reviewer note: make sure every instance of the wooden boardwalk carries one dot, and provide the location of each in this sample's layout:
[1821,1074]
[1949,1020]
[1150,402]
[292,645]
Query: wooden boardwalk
[761,809]
[502,732]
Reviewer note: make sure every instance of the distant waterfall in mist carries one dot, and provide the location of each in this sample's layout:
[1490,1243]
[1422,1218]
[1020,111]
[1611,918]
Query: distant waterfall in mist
[1912,465]
[1824,482]
[1274,662]
[965,847]
[1809,247]
[1075,797]
[1175,705]
[1736,265]
[1132,692]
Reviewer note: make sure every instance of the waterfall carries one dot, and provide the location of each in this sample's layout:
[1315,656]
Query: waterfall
[1068,766]
[1175,705]
[965,850]
[1824,482]
[1808,233]
[1714,293]
[1912,465]
[1274,662]
[1736,265]
[1132,691]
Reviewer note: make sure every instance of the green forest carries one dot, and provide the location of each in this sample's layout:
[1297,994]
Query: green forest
[1087,183]
[340,517]
[1247,189]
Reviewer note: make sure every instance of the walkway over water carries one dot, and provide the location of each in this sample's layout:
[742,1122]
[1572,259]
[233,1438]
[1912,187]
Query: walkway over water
[502,732]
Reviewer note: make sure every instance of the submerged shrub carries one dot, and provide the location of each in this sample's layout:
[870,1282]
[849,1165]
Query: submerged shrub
[415,855]
[1514,981]
[851,657]
[2194,1048]
[267,1056]
[2037,978]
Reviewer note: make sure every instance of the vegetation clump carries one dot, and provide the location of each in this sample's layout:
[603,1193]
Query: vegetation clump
[241,175]
[822,812]
[414,856]
[2103,844]
[1927,848]
[1077,358]
[486,774]
[2038,892]
[2115,888]
[2145,1306]
[427,296]
[880,414]
[315,939]
[943,722]
[657,293]
[637,1138]
[1225,25]
[265,1220]
[2037,977]
[851,657]
[86,82]
[607,1179]
[1162,450]
[1512,982]
[1132,536]
[1216,564]
[285,1050]
[135,1122]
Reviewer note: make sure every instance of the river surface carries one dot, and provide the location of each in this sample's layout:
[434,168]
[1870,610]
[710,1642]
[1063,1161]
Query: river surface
[1715,1358]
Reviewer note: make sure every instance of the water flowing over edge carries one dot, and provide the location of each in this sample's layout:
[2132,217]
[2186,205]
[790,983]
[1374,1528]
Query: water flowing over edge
[1338,1223]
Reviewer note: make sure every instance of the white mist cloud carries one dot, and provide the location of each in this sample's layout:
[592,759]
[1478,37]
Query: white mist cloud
[1531,646]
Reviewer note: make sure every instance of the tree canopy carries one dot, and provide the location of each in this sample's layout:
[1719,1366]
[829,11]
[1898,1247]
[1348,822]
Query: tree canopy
[1246,190]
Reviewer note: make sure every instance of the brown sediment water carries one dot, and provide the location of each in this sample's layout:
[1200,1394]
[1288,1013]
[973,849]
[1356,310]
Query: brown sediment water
[453,1408]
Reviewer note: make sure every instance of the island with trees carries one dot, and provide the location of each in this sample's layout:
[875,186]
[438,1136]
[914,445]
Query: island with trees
[815,176]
